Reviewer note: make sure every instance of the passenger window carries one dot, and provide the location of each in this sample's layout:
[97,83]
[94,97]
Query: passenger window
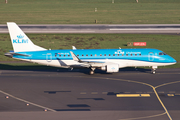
[126,54]
[77,55]
[68,55]
[118,54]
[135,54]
[100,54]
[113,54]
[82,55]
[59,55]
[140,54]
[122,54]
[64,55]
[91,54]
[104,54]
[86,55]
[131,54]
[109,54]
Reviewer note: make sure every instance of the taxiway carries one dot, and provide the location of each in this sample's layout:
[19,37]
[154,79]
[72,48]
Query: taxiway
[127,95]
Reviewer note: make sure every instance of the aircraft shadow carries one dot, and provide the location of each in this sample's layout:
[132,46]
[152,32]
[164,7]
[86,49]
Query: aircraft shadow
[55,69]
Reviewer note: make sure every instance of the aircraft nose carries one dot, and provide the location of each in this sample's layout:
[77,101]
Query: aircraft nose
[172,60]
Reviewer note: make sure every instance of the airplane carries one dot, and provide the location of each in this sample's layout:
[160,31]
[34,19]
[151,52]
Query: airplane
[109,60]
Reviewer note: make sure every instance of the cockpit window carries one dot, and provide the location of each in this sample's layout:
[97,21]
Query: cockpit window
[162,53]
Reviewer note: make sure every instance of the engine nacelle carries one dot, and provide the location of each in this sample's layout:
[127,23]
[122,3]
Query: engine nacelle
[110,68]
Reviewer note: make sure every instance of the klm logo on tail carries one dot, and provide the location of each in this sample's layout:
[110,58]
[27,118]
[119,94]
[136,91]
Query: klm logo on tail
[20,39]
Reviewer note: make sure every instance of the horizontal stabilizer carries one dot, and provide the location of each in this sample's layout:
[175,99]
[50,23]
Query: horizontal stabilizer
[10,54]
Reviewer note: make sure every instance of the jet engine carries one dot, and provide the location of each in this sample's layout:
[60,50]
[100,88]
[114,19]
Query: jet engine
[110,68]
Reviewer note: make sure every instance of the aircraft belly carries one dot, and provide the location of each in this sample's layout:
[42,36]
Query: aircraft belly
[146,63]
[122,63]
[136,63]
[48,63]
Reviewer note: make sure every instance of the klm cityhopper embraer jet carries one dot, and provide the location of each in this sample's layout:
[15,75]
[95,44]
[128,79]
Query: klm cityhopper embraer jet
[109,60]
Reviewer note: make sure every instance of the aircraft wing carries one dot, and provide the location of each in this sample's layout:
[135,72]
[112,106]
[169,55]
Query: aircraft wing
[87,63]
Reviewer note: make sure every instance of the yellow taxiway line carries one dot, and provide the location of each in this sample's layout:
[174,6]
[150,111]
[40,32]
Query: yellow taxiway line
[154,89]
[132,95]
[170,95]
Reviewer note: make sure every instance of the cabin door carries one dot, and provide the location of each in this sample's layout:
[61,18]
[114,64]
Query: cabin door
[151,56]
[48,57]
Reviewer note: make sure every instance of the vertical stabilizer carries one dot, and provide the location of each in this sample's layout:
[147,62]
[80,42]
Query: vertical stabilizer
[20,41]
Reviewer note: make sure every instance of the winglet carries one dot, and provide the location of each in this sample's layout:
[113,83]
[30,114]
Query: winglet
[74,48]
[75,58]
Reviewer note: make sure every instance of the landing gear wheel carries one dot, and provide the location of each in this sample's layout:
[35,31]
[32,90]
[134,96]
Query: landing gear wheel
[91,72]
[153,71]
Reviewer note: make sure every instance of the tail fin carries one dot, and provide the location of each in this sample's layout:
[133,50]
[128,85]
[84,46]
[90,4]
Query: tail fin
[20,41]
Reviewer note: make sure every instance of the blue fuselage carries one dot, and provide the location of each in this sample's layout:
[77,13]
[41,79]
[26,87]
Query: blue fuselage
[147,55]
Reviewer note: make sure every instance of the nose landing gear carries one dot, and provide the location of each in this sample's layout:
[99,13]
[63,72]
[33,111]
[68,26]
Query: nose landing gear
[153,70]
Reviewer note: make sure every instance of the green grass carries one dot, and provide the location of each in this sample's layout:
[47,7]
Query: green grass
[167,43]
[83,12]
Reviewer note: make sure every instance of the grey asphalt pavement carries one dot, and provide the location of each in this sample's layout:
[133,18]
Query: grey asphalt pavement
[66,95]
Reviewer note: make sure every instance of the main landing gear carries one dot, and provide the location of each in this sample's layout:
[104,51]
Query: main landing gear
[91,72]
[153,70]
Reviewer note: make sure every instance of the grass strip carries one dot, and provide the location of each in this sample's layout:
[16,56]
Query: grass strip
[87,11]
